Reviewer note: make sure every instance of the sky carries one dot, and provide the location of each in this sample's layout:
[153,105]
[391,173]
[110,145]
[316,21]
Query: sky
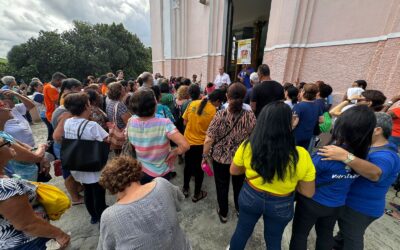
[23,19]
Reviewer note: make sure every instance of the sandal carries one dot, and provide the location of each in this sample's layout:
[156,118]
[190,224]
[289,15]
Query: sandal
[185,192]
[393,214]
[222,218]
[395,205]
[200,196]
[79,202]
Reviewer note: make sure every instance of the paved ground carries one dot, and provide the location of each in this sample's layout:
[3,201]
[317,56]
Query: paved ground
[202,225]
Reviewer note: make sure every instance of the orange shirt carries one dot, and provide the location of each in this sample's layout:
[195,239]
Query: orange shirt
[50,99]
[396,122]
[104,89]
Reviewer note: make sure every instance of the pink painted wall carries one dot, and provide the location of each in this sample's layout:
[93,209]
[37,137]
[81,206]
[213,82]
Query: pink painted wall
[197,40]
[296,26]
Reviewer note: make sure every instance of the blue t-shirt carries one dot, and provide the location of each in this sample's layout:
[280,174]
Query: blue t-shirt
[322,105]
[164,112]
[335,179]
[368,197]
[308,113]
[246,77]
[329,99]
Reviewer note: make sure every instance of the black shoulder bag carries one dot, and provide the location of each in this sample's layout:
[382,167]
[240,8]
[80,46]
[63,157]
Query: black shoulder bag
[83,155]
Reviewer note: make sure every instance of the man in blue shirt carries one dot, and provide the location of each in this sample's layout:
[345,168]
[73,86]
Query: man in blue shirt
[244,75]
[366,199]
[9,82]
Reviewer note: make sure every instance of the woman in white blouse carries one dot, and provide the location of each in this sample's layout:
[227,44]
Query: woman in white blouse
[78,105]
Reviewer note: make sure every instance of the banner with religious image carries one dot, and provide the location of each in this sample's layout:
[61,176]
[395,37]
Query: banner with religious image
[244,51]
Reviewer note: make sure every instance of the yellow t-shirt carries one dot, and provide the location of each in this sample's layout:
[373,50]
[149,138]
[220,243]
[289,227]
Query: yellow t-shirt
[197,125]
[305,171]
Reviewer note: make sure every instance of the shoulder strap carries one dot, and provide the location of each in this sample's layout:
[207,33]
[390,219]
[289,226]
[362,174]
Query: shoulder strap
[227,133]
[115,112]
[234,125]
[84,123]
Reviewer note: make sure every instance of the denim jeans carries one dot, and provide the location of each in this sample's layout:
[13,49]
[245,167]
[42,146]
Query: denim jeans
[277,212]
[37,244]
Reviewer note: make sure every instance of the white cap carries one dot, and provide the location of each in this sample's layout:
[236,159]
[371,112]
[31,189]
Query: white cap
[254,77]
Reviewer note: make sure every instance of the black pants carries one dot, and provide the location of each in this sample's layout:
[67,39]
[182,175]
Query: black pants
[193,158]
[222,179]
[307,214]
[95,199]
[50,129]
[352,225]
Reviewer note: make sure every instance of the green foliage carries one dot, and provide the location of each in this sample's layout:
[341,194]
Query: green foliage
[4,67]
[84,50]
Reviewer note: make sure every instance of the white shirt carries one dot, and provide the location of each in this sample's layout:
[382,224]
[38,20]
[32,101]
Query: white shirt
[19,127]
[222,79]
[244,106]
[93,132]
[289,103]
[39,105]
[354,91]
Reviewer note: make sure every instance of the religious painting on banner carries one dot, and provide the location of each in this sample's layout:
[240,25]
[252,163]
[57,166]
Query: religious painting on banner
[244,52]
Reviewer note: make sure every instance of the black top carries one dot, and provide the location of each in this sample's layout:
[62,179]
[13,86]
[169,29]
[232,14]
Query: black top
[266,92]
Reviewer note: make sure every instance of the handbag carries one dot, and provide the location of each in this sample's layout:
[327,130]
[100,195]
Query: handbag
[116,135]
[128,149]
[83,155]
[53,200]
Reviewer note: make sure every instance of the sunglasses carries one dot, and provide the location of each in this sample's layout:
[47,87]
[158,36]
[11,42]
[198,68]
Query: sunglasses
[8,143]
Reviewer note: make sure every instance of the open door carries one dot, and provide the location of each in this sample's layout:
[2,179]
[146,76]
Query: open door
[246,20]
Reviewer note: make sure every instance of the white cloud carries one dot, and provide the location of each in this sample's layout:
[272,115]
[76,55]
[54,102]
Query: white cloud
[22,19]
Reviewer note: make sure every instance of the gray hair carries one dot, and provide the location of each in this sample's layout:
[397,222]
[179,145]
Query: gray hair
[385,122]
[8,80]
[254,77]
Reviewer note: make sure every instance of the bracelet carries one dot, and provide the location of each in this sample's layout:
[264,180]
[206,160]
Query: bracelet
[204,156]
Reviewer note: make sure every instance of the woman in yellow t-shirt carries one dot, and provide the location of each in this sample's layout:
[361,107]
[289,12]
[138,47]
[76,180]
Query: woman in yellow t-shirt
[275,168]
[197,118]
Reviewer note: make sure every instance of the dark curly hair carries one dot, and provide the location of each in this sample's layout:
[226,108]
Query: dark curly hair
[120,173]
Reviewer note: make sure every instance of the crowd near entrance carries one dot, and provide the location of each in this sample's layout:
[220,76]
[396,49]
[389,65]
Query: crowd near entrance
[128,137]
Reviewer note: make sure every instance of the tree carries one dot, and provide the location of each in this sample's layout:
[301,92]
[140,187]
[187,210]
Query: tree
[84,50]
[4,67]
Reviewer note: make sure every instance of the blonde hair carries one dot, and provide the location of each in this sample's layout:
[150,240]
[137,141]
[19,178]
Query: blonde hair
[183,92]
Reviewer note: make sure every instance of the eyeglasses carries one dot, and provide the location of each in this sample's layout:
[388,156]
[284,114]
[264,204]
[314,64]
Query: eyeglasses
[8,143]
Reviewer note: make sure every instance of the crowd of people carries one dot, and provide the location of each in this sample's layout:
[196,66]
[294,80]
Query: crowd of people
[263,135]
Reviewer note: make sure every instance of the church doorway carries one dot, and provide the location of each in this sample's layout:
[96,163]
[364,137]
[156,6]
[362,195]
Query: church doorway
[246,34]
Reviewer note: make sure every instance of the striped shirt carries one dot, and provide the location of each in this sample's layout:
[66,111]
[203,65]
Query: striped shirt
[150,139]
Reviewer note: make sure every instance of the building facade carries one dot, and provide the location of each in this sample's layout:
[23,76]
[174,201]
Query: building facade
[307,40]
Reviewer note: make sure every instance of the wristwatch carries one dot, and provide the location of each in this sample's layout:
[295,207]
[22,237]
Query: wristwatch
[350,158]
[389,104]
